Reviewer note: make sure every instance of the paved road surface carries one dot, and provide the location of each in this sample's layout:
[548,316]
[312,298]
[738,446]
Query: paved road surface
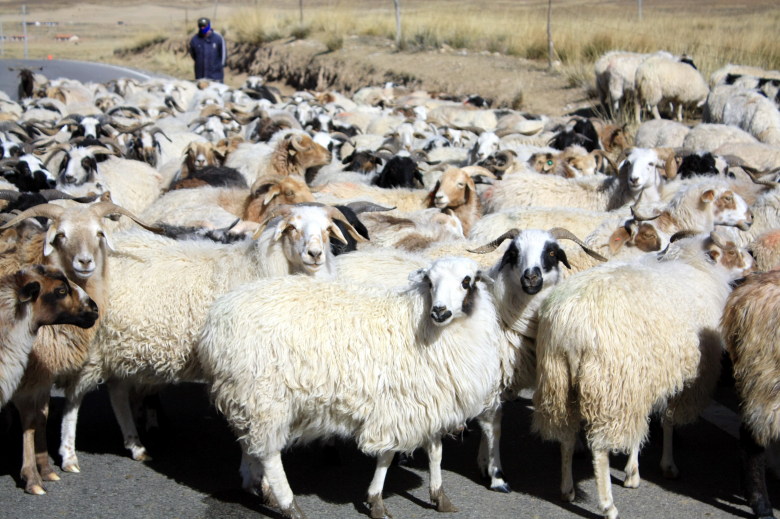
[81,70]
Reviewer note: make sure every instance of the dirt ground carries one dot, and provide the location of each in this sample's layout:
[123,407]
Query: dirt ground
[103,27]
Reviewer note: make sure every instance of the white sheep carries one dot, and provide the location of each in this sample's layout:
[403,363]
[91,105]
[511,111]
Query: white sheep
[751,336]
[661,133]
[660,78]
[711,136]
[639,174]
[752,112]
[160,296]
[442,369]
[613,378]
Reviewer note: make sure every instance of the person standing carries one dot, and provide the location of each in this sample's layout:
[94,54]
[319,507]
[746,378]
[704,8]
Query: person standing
[207,48]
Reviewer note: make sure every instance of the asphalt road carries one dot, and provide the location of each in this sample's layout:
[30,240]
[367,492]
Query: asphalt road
[53,69]
[194,471]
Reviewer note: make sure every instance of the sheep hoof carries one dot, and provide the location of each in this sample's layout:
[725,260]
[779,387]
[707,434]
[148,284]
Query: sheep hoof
[377,506]
[442,502]
[71,467]
[139,454]
[504,488]
[567,495]
[50,476]
[631,481]
[268,497]
[611,513]
[293,511]
[670,472]
[36,490]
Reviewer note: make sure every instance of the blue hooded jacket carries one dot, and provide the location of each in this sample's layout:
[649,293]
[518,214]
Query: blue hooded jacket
[209,54]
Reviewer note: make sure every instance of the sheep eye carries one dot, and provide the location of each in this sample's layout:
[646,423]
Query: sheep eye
[289,194]
[61,292]
[549,163]
[461,184]
[466,283]
[428,281]
[551,253]
[728,198]
[59,236]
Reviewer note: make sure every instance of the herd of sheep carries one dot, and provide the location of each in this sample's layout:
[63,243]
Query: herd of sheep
[388,266]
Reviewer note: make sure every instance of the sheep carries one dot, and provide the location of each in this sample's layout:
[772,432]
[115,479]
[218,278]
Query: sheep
[638,175]
[27,173]
[29,299]
[291,154]
[403,199]
[751,112]
[615,73]
[76,242]
[411,231]
[199,154]
[751,336]
[443,329]
[765,249]
[455,190]
[661,133]
[580,222]
[759,156]
[219,176]
[671,364]
[660,78]
[529,267]
[149,306]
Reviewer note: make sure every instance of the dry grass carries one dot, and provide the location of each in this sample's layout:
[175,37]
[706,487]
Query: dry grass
[712,32]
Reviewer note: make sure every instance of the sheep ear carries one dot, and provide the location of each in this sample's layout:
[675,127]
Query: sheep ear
[418,276]
[483,276]
[619,238]
[335,232]
[29,292]
[713,255]
[280,228]
[109,243]
[708,196]
[48,242]
[272,193]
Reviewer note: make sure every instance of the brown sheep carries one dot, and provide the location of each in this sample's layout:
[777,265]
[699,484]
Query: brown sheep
[295,153]
[455,190]
[269,192]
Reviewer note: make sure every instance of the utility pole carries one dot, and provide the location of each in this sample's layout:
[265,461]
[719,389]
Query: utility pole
[300,9]
[639,8]
[24,28]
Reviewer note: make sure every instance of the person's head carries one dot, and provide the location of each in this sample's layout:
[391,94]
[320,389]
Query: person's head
[204,25]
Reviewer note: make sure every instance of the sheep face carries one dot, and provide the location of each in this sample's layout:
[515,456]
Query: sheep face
[270,193]
[543,162]
[198,155]
[736,260]
[486,144]
[307,153]
[532,259]
[641,170]
[78,166]
[76,243]
[452,284]
[454,189]
[29,174]
[54,299]
[307,231]
[728,208]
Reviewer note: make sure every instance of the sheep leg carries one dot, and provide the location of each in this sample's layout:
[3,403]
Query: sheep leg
[632,469]
[438,497]
[604,483]
[253,479]
[668,467]
[753,460]
[567,460]
[374,500]
[28,414]
[119,394]
[489,457]
[656,113]
[42,460]
[277,479]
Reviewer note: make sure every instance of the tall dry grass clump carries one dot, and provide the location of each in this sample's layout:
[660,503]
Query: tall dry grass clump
[712,32]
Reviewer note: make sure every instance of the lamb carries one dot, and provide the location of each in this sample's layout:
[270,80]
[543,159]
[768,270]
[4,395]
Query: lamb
[77,243]
[29,299]
[147,335]
[751,336]
[455,190]
[672,364]
[660,78]
[638,175]
[443,331]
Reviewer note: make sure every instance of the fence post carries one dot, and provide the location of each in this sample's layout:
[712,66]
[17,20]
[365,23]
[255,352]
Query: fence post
[550,48]
[397,4]
[24,29]
[300,8]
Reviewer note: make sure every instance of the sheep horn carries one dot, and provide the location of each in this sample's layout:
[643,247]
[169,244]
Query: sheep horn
[717,239]
[196,122]
[640,217]
[106,209]
[679,235]
[155,130]
[7,194]
[280,210]
[754,175]
[367,207]
[493,245]
[50,211]
[559,233]
[56,194]
[335,214]
[121,128]
[100,150]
